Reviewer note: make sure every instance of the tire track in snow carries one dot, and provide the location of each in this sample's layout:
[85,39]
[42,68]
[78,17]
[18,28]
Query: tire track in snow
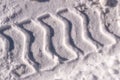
[27,55]
[52,35]
[48,47]
[71,41]
[8,42]
[103,28]
[75,20]
[86,34]
[52,29]
[67,41]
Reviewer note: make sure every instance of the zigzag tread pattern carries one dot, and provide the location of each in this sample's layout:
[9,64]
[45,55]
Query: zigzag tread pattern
[68,27]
